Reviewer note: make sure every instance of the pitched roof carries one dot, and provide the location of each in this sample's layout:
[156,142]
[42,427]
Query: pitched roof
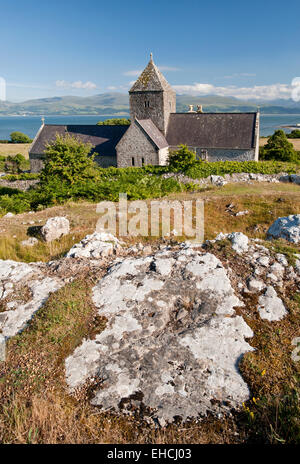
[153,132]
[212,130]
[103,138]
[151,79]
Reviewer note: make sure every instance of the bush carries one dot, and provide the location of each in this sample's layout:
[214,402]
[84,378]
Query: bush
[278,148]
[19,137]
[181,158]
[295,134]
[114,122]
[68,160]
[15,164]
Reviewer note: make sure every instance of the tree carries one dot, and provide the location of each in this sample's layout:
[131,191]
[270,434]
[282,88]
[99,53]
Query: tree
[114,122]
[295,134]
[13,164]
[181,158]
[19,137]
[278,148]
[68,160]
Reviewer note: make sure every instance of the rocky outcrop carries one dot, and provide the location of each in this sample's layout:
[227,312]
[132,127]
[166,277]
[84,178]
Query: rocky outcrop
[97,245]
[24,288]
[287,228]
[173,340]
[55,228]
[175,330]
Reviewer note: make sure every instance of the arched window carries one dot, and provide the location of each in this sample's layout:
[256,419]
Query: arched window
[147,104]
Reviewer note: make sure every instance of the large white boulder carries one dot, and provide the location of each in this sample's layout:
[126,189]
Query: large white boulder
[55,228]
[287,228]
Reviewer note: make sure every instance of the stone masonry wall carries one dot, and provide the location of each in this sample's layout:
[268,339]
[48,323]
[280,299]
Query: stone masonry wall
[223,154]
[135,144]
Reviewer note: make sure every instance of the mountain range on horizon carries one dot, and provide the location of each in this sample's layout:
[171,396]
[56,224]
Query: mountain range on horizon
[118,104]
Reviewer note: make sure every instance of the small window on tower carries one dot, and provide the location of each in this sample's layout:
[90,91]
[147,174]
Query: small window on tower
[143,161]
[147,104]
[132,161]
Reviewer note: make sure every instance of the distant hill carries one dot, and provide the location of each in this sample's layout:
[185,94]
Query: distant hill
[118,104]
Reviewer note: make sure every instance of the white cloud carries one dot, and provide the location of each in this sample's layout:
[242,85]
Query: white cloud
[76,85]
[259,92]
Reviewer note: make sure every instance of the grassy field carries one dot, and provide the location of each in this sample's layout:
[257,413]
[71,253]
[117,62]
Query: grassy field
[14,149]
[35,406]
[295,142]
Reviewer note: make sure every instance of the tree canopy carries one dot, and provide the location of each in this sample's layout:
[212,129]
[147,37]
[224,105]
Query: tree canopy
[19,137]
[69,160]
[181,158]
[278,148]
[114,122]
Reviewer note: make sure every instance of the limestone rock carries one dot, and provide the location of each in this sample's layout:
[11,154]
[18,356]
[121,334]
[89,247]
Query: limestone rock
[219,181]
[271,307]
[239,242]
[30,242]
[97,245]
[55,228]
[172,341]
[287,228]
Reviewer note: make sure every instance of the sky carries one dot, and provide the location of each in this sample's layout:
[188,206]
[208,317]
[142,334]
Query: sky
[249,50]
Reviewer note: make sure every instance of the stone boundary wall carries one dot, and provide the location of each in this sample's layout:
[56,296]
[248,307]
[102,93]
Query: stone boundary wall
[19,184]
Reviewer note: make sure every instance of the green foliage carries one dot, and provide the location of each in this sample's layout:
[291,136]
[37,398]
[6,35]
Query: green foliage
[138,182]
[278,148]
[181,158]
[23,176]
[295,134]
[19,137]
[68,160]
[114,122]
[15,164]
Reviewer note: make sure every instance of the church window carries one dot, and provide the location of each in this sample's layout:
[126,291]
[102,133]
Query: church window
[147,104]
[143,161]
[132,161]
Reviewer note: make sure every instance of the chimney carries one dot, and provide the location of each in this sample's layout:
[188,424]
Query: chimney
[199,109]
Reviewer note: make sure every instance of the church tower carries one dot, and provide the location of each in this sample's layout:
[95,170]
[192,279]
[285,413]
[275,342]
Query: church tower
[152,97]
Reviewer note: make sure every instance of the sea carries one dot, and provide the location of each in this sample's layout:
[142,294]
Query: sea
[30,124]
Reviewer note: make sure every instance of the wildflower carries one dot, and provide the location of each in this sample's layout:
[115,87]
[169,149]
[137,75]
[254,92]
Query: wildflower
[263,372]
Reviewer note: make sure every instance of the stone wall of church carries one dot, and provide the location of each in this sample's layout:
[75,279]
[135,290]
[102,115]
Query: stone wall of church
[135,149]
[222,154]
[139,108]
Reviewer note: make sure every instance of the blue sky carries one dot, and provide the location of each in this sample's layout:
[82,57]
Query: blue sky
[71,47]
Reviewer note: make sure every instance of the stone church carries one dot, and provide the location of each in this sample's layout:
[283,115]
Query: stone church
[156,129]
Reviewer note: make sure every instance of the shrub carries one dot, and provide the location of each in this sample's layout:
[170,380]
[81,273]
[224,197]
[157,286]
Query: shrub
[295,134]
[69,160]
[15,164]
[19,137]
[278,148]
[114,122]
[181,158]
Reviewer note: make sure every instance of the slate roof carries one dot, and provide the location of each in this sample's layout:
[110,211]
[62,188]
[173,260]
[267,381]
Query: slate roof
[153,132]
[103,138]
[151,79]
[212,130]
